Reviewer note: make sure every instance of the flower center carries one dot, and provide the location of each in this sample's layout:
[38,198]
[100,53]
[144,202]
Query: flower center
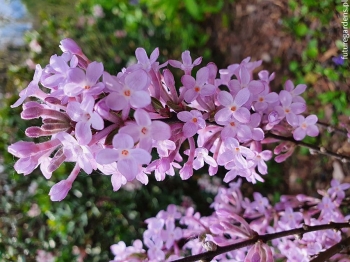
[127,93]
[125,152]
[232,124]
[197,89]
[144,130]
[233,109]
[261,99]
[303,126]
[87,87]
[194,120]
[287,110]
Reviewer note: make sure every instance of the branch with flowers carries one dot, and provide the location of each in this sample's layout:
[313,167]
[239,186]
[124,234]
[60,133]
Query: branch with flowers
[112,123]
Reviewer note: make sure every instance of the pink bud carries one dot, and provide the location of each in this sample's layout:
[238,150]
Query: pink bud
[60,190]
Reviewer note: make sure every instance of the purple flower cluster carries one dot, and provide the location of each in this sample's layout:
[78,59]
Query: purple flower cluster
[177,232]
[113,122]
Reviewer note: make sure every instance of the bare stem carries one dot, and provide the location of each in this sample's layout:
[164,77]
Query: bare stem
[320,150]
[264,238]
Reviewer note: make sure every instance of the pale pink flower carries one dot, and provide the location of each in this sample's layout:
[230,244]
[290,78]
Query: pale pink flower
[145,130]
[85,82]
[233,106]
[128,158]
[306,126]
[198,86]
[193,121]
[186,64]
[85,116]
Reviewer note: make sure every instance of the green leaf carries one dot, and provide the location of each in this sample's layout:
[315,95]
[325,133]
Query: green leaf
[301,29]
[193,9]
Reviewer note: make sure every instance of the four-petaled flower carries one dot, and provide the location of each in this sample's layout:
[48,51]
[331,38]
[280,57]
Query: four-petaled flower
[193,121]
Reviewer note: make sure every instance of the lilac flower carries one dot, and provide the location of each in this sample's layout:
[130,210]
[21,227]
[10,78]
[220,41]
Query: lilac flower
[32,89]
[193,121]
[306,126]
[143,59]
[130,92]
[260,159]
[264,99]
[198,86]
[128,158]
[76,152]
[80,82]
[259,252]
[171,234]
[202,156]
[295,92]
[60,190]
[186,64]
[55,74]
[145,130]
[290,219]
[235,152]
[244,81]
[289,109]
[337,190]
[85,117]
[233,106]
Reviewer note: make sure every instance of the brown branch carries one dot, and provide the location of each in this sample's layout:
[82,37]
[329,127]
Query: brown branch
[336,249]
[320,150]
[264,238]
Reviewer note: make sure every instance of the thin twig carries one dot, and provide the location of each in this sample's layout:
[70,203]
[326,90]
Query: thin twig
[264,238]
[336,249]
[320,150]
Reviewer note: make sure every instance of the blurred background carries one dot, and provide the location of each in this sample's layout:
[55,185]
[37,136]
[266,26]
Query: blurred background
[299,40]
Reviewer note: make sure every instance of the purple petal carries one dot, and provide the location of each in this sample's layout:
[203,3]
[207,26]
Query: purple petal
[107,156]
[76,75]
[202,76]
[128,168]
[225,98]
[184,116]
[256,87]
[175,63]
[122,141]
[242,114]
[188,81]
[311,119]
[137,80]
[189,129]
[87,104]
[271,97]
[140,99]
[190,95]
[292,119]
[298,107]
[116,102]
[223,115]
[154,55]
[74,111]
[207,90]
[299,134]
[299,89]
[132,130]
[186,58]
[312,131]
[244,76]
[242,97]
[160,130]
[285,98]
[83,132]
[288,85]
[94,72]
[142,117]
[97,121]
[141,56]
[141,156]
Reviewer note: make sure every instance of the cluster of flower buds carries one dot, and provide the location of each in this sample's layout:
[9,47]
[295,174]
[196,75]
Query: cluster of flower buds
[177,232]
[114,122]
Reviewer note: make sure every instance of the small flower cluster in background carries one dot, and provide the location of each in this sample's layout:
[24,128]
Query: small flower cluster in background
[178,232]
